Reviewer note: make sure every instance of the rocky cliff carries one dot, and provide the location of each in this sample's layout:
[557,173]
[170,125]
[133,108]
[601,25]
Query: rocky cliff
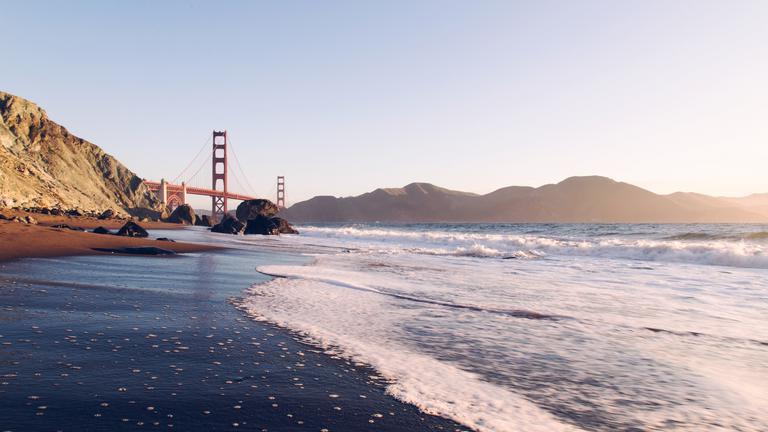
[43,165]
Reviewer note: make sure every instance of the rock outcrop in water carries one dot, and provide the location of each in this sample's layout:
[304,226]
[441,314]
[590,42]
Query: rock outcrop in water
[43,165]
[261,225]
[251,209]
[204,220]
[255,217]
[229,225]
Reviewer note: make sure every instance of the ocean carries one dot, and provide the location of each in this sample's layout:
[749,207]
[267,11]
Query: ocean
[526,327]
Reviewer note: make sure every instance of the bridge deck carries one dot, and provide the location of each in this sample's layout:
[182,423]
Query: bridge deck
[155,186]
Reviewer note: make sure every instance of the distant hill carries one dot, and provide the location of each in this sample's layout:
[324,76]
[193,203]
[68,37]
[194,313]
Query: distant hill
[43,165]
[575,199]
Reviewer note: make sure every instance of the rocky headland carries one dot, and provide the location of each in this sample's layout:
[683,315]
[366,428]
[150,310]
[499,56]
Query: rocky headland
[43,166]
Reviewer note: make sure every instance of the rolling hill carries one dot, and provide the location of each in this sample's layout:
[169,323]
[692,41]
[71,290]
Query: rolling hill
[575,199]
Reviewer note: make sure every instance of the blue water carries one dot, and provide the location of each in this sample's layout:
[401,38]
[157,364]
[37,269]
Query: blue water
[541,326]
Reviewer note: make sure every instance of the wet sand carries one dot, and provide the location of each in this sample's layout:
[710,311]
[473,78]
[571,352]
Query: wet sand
[105,343]
[19,240]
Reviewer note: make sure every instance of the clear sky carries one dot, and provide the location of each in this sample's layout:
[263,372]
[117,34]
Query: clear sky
[344,97]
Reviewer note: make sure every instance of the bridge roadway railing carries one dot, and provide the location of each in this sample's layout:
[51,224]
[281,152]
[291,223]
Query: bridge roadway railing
[155,187]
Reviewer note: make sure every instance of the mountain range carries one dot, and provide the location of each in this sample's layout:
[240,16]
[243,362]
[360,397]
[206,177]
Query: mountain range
[576,199]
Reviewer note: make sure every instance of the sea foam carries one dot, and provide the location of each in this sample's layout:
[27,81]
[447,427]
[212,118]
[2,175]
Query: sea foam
[328,317]
[618,328]
[699,249]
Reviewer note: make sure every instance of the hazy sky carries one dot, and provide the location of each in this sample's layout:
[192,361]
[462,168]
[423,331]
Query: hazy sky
[344,97]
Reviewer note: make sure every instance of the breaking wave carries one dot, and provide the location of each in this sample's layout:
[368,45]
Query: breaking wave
[556,338]
[692,248]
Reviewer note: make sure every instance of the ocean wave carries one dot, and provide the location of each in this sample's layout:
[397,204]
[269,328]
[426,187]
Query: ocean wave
[692,248]
[329,315]
[759,235]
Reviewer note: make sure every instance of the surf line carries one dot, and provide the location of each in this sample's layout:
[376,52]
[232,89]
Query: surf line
[514,313]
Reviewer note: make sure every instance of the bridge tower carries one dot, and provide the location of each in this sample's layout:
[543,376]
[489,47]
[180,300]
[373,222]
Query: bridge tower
[281,192]
[219,162]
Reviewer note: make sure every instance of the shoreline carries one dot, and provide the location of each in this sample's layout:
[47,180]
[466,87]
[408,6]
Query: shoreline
[90,343]
[43,240]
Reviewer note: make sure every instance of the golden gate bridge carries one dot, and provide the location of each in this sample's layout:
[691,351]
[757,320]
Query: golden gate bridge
[175,192]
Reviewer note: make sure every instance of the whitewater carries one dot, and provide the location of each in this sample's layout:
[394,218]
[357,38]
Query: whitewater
[540,327]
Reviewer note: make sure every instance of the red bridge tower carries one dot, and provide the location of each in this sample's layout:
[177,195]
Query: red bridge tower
[280,192]
[219,159]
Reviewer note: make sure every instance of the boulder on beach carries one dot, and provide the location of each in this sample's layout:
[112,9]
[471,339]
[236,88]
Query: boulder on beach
[107,214]
[262,225]
[204,220]
[132,229]
[283,226]
[101,230]
[184,214]
[269,226]
[229,225]
[250,209]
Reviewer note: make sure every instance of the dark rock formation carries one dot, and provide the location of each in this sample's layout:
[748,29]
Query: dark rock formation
[269,226]
[166,239]
[143,250]
[101,230]
[132,229]
[204,220]
[250,209]
[184,214]
[262,225]
[283,226]
[107,214]
[229,225]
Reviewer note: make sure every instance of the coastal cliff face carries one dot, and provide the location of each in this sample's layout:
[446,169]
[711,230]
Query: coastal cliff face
[573,200]
[43,165]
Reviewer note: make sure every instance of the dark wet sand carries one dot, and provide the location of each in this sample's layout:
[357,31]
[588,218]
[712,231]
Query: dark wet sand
[105,343]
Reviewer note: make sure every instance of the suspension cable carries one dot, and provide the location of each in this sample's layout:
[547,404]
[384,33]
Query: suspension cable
[207,159]
[178,177]
[245,177]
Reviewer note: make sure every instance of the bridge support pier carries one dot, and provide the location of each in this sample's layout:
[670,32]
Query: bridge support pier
[280,192]
[163,192]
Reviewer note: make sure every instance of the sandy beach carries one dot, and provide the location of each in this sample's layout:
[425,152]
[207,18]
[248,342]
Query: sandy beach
[119,342]
[43,240]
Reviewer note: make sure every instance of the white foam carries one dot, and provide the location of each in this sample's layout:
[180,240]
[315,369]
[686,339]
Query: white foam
[340,320]
[422,308]
[749,254]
